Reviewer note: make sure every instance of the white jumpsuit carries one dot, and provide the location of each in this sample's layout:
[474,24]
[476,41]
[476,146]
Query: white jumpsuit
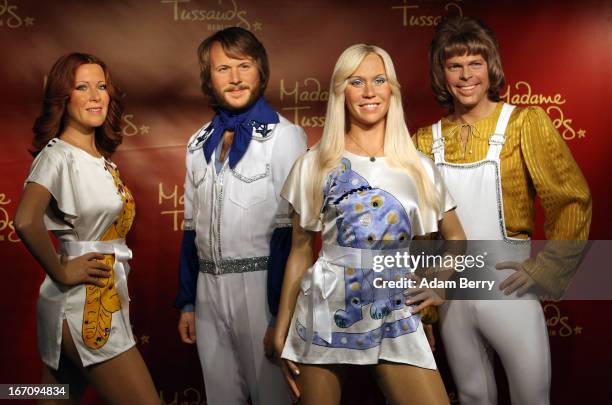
[234,212]
[514,328]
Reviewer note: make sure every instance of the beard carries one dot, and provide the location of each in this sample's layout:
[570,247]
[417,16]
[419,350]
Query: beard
[219,97]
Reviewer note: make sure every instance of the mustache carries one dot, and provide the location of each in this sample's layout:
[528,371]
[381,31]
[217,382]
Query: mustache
[238,87]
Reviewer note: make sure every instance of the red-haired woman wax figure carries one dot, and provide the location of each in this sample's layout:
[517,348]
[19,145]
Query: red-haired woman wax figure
[74,190]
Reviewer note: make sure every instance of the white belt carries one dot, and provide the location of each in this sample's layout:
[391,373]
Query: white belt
[115,247]
[320,281]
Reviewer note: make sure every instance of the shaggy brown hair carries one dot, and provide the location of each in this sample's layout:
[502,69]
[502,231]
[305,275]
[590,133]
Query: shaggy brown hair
[458,36]
[237,43]
[51,121]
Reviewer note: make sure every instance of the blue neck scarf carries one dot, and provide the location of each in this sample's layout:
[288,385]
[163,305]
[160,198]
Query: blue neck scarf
[241,123]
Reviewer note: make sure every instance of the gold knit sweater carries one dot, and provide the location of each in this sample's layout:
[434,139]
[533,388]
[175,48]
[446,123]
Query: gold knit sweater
[534,160]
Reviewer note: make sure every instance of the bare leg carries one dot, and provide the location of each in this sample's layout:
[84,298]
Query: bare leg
[121,380]
[404,384]
[320,384]
[124,380]
[67,373]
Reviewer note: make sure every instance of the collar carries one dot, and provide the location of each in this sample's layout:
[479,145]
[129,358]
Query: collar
[246,125]
[454,127]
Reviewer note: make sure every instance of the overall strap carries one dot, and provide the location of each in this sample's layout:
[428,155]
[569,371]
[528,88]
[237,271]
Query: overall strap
[437,146]
[498,138]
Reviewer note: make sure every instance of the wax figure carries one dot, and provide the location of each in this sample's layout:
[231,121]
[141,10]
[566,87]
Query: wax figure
[364,187]
[236,166]
[495,158]
[74,190]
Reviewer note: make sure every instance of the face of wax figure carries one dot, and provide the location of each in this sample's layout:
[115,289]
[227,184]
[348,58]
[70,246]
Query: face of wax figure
[467,80]
[236,82]
[88,103]
[368,93]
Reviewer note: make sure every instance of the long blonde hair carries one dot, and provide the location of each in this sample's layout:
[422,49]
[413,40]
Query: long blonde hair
[399,150]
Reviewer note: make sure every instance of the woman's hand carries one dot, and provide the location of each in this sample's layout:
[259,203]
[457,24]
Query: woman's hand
[31,229]
[84,269]
[290,369]
[299,261]
[424,296]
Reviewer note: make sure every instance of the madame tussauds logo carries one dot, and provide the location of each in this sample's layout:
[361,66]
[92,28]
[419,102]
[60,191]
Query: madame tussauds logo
[7,229]
[303,96]
[411,18]
[521,94]
[225,14]
[176,210]
[10,17]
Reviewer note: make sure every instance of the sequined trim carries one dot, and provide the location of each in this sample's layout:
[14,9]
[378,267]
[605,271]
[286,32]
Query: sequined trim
[234,265]
[497,139]
[282,220]
[219,207]
[500,205]
[203,134]
[261,129]
[254,178]
[438,144]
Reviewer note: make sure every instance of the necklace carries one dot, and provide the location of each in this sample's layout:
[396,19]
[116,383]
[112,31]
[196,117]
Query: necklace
[372,157]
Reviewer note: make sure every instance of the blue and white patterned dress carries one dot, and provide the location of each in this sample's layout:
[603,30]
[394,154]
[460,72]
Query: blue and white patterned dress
[367,205]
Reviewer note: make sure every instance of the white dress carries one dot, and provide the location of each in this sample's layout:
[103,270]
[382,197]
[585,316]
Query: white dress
[91,210]
[364,203]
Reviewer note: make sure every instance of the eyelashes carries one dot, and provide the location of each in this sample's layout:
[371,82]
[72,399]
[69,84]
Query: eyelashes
[358,82]
[83,87]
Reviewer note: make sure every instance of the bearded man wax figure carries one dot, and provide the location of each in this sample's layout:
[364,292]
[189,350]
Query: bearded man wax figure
[236,167]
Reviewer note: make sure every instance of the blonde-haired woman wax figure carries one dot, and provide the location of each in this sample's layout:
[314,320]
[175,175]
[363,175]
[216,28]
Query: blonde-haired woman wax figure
[365,188]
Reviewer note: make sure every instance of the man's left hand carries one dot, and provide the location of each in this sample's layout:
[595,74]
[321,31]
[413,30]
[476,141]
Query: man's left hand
[520,281]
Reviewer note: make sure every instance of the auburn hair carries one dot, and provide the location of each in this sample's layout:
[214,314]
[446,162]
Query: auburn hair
[51,121]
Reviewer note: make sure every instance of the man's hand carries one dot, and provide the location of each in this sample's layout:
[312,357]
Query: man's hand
[520,281]
[186,327]
[268,344]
